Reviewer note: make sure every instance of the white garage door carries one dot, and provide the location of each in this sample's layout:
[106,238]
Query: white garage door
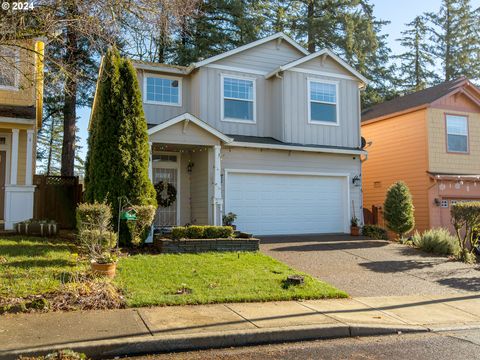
[268,204]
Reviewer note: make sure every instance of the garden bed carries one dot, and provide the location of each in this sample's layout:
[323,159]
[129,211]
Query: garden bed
[195,246]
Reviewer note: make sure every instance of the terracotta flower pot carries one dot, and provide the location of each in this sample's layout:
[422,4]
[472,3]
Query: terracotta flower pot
[354,230]
[107,270]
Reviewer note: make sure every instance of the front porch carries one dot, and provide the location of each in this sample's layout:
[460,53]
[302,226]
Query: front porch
[186,154]
[16,174]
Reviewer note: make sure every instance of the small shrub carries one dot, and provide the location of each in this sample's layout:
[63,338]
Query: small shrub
[466,221]
[178,232]
[194,232]
[202,232]
[98,243]
[217,232]
[398,209]
[96,215]
[140,228]
[438,241]
[375,232]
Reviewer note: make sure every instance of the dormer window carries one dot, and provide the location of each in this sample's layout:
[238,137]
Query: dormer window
[238,99]
[8,68]
[163,90]
[322,102]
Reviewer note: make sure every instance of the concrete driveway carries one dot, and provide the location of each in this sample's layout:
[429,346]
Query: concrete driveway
[366,267]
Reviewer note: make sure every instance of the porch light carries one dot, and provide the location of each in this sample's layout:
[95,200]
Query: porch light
[357,180]
[190,166]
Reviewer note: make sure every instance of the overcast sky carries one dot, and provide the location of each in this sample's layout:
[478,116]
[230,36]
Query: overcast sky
[397,12]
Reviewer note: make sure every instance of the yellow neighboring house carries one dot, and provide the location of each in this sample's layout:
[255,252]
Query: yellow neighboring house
[21,92]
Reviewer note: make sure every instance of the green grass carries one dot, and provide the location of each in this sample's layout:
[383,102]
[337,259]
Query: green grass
[212,278]
[32,266]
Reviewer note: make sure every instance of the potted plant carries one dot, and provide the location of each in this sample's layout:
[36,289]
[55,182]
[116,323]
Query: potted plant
[97,238]
[105,264]
[228,220]
[354,229]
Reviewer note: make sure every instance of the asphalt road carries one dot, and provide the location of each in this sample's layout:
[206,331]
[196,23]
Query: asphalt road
[462,345]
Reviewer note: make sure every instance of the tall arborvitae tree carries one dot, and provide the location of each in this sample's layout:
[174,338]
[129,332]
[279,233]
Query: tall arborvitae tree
[416,69]
[118,153]
[455,40]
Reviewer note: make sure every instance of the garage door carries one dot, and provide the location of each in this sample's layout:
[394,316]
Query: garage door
[269,204]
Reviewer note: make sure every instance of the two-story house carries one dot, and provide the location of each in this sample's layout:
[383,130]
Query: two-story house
[267,131]
[21,94]
[431,140]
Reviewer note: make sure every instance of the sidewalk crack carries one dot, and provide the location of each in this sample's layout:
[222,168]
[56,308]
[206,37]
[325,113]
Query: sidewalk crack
[243,317]
[144,322]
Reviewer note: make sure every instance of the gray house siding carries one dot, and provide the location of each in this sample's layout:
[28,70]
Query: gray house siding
[265,57]
[210,98]
[296,126]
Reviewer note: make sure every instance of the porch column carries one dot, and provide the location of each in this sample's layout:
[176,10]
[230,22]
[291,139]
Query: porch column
[29,164]
[150,161]
[217,187]
[14,166]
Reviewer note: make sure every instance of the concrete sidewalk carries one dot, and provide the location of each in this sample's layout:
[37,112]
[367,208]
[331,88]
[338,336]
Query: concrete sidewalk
[112,333]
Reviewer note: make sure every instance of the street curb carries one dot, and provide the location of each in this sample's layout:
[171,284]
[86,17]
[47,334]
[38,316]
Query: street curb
[148,344]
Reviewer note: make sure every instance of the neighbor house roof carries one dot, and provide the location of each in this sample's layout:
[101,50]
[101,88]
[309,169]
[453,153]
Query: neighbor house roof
[324,52]
[417,99]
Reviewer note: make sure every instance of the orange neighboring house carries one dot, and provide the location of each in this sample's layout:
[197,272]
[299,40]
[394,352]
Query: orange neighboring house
[429,139]
[21,91]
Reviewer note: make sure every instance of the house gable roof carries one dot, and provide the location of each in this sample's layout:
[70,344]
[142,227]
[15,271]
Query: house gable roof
[323,52]
[422,98]
[185,70]
[279,35]
[189,117]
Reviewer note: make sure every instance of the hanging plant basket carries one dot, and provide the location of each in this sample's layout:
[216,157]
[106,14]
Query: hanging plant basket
[166,193]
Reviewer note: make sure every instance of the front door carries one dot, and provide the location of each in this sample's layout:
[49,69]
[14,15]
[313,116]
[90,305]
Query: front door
[3,173]
[165,167]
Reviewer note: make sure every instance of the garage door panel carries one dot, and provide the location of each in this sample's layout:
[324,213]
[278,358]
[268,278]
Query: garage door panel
[286,204]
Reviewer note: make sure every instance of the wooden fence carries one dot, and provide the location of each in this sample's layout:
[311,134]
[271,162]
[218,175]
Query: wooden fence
[56,198]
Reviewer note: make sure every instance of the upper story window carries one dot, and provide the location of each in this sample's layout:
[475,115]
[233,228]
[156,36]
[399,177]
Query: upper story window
[322,102]
[238,99]
[163,90]
[8,72]
[457,133]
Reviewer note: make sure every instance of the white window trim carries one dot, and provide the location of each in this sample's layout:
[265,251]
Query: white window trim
[467,135]
[222,100]
[309,101]
[180,89]
[16,87]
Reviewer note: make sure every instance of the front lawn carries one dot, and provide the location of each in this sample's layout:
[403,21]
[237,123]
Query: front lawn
[169,279]
[32,266]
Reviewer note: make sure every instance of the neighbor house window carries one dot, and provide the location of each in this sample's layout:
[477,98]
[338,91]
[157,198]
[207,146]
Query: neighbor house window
[163,90]
[238,99]
[457,133]
[322,105]
[8,68]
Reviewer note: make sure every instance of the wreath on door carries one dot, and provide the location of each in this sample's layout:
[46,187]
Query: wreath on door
[166,193]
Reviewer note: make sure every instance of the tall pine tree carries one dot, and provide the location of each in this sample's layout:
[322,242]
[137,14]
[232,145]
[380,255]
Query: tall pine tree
[454,35]
[118,153]
[416,70]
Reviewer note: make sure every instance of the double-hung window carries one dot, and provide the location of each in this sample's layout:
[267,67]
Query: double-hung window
[8,68]
[163,90]
[457,133]
[238,102]
[322,102]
